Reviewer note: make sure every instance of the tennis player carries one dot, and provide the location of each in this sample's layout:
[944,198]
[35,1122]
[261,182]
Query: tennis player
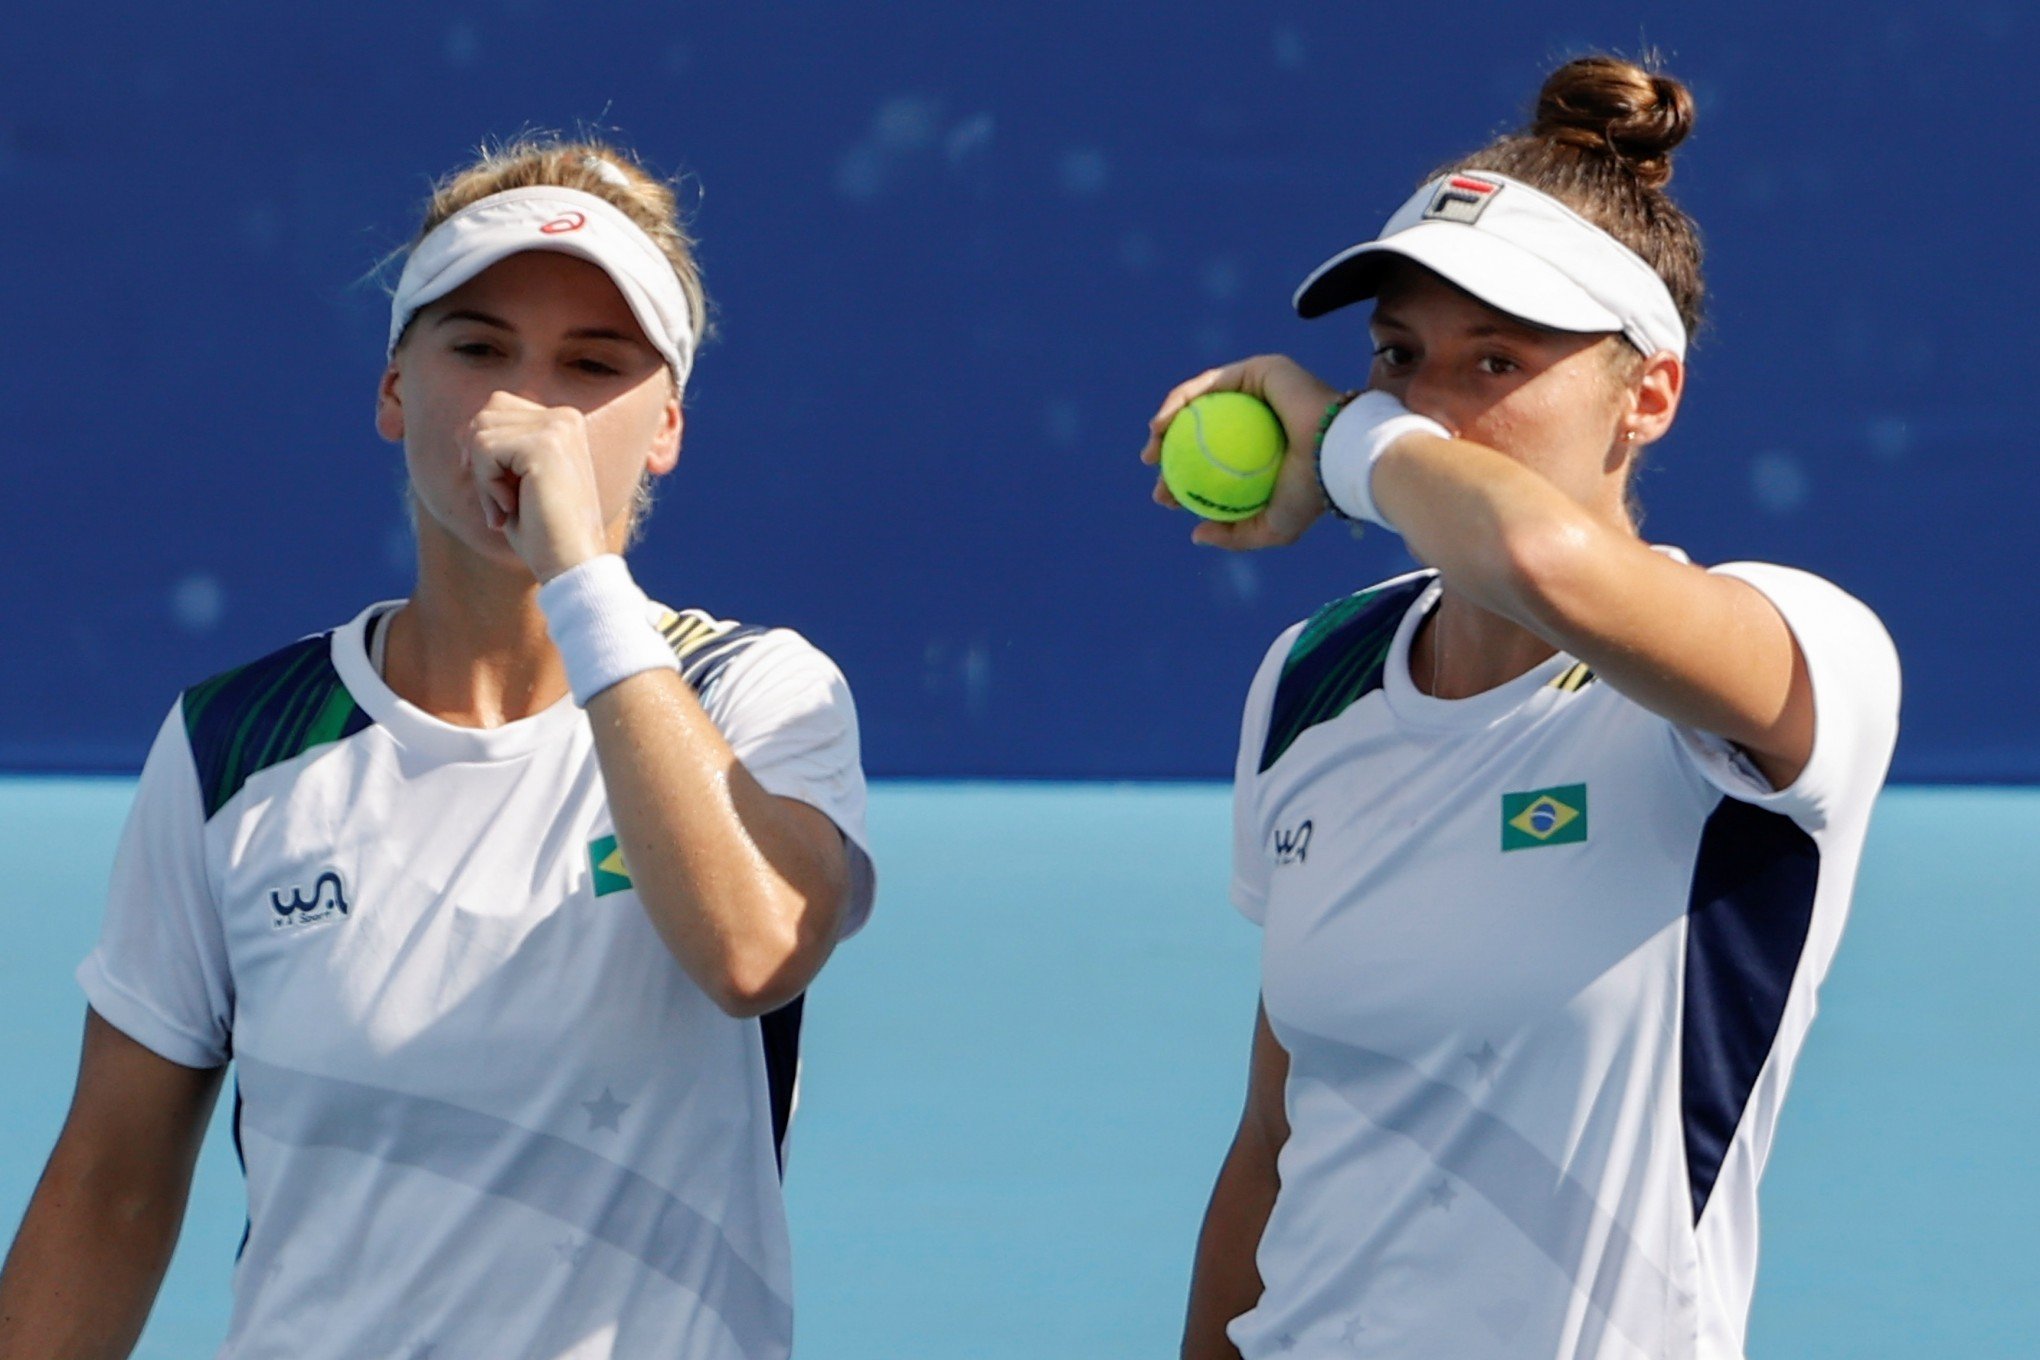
[501,899]
[1551,841]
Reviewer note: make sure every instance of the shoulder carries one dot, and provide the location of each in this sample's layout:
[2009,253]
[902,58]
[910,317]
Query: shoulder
[1801,595]
[705,645]
[716,655]
[1850,657]
[273,709]
[1323,666]
[1853,669]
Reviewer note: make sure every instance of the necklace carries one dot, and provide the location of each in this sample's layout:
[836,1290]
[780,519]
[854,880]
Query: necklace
[1437,650]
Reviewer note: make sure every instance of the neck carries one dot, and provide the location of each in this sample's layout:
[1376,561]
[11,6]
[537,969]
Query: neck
[470,646]
[1463,650]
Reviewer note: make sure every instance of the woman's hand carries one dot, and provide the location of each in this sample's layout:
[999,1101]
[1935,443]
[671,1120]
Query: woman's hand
[537,482]
[1299,400]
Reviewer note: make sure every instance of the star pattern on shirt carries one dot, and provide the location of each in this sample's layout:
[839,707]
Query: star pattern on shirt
[1441,1195]
[1484,1060]
[1355,1334]
[605,1112]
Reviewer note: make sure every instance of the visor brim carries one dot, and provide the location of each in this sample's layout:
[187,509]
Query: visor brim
[471,267]
[1497,272]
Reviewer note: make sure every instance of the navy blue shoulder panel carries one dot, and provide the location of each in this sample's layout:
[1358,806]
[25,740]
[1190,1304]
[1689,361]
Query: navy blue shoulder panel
[244,720]
[1747,922]
[1336,661]
[705,647]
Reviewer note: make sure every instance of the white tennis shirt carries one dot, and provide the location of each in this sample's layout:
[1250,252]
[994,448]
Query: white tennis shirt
[482,1110]
[1542,962]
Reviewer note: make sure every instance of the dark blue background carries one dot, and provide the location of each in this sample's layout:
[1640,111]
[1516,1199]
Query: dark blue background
[958,253]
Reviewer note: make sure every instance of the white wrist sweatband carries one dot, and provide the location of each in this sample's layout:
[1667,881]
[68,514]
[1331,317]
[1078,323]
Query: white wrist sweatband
[601,622]
[1354,443]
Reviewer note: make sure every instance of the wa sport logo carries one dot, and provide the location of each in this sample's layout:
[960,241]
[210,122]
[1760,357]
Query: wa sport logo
[327,900]
[1292,844]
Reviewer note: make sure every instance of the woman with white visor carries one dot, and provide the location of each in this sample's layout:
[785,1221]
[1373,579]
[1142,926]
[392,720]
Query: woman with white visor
[1551,841]
[502,898]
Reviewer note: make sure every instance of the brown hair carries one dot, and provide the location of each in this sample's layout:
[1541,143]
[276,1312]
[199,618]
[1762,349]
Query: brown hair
[1600,141]
[593,167]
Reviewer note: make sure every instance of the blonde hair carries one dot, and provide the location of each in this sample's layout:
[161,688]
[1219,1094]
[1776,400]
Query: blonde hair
[594,167]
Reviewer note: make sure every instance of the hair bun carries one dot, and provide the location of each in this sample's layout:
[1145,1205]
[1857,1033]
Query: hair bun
[1619,109]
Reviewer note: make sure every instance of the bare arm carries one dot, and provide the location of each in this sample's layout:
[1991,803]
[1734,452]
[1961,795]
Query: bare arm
[747,889]
[1225,1281]
[98,1234]
[1709,652]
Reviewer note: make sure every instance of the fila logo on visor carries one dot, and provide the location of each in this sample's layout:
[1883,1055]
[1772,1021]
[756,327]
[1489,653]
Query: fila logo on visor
[1556,816]
[1462,198]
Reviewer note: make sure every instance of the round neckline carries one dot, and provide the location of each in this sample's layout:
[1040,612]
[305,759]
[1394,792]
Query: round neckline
[413,727]
[1415,708]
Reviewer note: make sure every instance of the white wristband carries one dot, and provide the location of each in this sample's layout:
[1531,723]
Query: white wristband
[1354,443]
[601,622]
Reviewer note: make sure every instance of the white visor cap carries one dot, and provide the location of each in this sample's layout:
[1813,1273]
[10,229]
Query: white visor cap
[1517,249]
[548,218]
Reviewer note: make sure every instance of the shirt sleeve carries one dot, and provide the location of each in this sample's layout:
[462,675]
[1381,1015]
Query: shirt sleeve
[786,711]
[159,973]
[1250,857]
[1854,670]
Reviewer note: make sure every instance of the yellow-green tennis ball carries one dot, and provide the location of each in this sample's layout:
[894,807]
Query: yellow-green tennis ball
[1221,453]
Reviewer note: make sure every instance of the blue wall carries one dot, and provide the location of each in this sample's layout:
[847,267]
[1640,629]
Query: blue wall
[951,245]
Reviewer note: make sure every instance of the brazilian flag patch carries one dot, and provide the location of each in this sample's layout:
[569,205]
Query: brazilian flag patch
[1544,817]
[605,857]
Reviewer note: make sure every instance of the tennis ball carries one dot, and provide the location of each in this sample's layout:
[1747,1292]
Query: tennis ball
[1221,453]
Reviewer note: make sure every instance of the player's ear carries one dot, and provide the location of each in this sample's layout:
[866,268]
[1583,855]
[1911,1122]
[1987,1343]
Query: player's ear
[389,406]
[1654,398]
[665,454]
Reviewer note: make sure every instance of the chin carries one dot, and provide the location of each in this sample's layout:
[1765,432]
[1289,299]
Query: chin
[463,533]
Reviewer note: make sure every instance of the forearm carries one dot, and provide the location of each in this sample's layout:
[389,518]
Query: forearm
[1706,652]
[733,886]
[1225,1282]
[1501,535]
[86,1264]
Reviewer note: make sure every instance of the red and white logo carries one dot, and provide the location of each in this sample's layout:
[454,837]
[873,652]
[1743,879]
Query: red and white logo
[565,222]
[1462,198]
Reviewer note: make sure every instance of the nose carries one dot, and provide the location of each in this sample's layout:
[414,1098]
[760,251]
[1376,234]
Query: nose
[1426,390]
[530,380]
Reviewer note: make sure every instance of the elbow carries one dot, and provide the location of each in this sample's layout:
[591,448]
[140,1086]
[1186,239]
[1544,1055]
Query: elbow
[765,972]
[743,998]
